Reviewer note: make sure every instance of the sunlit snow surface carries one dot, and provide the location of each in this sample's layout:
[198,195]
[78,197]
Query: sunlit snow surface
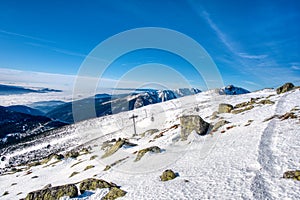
[245,162]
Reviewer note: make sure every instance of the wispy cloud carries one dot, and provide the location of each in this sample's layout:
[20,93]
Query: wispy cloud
[63,51]
[295,67]
[256,57]
[251,83]
[224,39]
[24,36]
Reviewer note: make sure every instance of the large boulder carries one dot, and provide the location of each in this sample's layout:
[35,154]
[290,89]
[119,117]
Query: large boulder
[167,175]
[285,88]
[225,108]
[114,193]
[192,123]
[53,193]
[93,184]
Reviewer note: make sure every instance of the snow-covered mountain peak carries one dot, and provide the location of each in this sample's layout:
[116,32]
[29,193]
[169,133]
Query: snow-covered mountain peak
[233,90]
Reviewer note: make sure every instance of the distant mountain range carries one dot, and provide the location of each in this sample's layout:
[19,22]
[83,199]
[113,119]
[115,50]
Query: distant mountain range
[9,90]
[106,104]
[20,121]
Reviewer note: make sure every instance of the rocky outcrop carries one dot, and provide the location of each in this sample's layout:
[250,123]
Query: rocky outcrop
[218,125]
[285,88]
[111,149]
[53,193]
[93,184]
[237,111]
[138,103]
[225,108]
[292,175]
[192,123]
[167,175]
[114,193]
[72,154]
[141,153]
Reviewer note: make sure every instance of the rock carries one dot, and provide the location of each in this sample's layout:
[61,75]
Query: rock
[138,103]
[285,88]
[292,175]
[167,175]
[219,124]
[141,153]
[58,156]
[243,104]
[266,101]
[149,132]
[88,167]
[114,193]
[107,167]
[53,193]
[73,174]
[5,193]
[93,157]
[113,149]
[93,184]
[47,186]
[192,123]
[214,115]
[237,111]
[288,115]
[72,154]
[225,108]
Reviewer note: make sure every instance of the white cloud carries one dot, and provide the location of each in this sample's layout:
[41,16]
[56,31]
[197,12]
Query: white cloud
[248,56]
[295,67]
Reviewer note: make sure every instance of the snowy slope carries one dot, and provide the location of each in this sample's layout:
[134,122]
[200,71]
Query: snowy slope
[242,160]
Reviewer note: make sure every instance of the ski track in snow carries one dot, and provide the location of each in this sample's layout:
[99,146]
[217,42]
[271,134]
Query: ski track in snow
[262,182]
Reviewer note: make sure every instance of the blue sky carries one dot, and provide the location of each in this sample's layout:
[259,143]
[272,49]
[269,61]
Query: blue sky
[255,44]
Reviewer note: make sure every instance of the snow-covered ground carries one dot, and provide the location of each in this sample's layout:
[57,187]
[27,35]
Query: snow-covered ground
[242,160]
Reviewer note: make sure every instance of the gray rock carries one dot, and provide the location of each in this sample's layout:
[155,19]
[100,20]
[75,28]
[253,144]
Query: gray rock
[192,123]
[225,108]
